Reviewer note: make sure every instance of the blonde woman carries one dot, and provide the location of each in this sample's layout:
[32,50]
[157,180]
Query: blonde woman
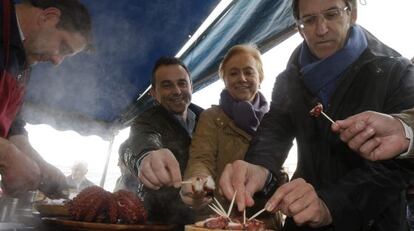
[224,131]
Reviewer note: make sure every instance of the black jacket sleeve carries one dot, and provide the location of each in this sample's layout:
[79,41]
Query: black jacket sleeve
[144,137]
[273,139]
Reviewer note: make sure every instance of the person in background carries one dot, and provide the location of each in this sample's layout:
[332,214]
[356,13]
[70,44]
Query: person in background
[156,151]
[33,31]
[77,180]
[230,124]
[344,68]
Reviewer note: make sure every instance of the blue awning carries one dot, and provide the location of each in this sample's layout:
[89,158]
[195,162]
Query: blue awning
[102,92]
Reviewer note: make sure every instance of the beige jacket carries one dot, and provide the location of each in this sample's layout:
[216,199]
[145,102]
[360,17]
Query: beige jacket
[408,117]
[216,142]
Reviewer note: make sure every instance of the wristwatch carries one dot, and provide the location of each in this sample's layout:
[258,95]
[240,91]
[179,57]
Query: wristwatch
[270,185]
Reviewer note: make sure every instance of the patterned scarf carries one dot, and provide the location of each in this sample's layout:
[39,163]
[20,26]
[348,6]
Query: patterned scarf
[246,115]
[320,76]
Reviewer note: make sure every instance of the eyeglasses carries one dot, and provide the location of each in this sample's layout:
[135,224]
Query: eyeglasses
[329,15]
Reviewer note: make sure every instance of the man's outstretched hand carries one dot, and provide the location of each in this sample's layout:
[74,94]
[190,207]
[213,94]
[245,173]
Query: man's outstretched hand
[375,136]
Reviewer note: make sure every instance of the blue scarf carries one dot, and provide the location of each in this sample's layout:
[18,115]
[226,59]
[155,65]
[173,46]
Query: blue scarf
[320,76]
[246,115]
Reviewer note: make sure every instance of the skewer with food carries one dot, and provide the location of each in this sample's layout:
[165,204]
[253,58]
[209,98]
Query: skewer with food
[203,186]
[222,223]
[318,110]
[222,220]
[197,191]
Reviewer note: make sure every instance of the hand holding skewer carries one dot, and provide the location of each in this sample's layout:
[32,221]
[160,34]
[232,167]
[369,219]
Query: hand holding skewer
[244,177]
[299,200]
[160,168]
[375,136]
[197,191]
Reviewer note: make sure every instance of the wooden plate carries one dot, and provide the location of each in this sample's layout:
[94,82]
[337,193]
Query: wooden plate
[52,210]
[58,223]
[195,228]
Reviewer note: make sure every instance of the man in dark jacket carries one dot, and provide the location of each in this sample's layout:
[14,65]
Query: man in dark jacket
[378,136]
[157,148]
[33,31]
[347,70]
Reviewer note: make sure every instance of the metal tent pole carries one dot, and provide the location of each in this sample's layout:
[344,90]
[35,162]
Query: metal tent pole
[108,157]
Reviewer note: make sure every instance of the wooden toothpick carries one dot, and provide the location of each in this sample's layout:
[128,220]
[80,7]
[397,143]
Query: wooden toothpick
[244,216]
[219,205]
[257,214]
[231,204]
[217,211]
[326,116]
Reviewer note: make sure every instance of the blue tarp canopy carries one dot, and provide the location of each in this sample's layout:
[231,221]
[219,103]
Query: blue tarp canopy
[103,92]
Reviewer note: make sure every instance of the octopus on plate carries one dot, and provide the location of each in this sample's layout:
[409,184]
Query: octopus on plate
[224,223]
[130,208]
[94,204]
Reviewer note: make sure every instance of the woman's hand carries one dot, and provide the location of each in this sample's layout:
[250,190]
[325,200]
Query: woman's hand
[197,191]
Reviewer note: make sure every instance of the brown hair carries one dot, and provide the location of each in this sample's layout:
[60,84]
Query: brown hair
[295,6]
[243,48]
[74,16]
[166,61]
